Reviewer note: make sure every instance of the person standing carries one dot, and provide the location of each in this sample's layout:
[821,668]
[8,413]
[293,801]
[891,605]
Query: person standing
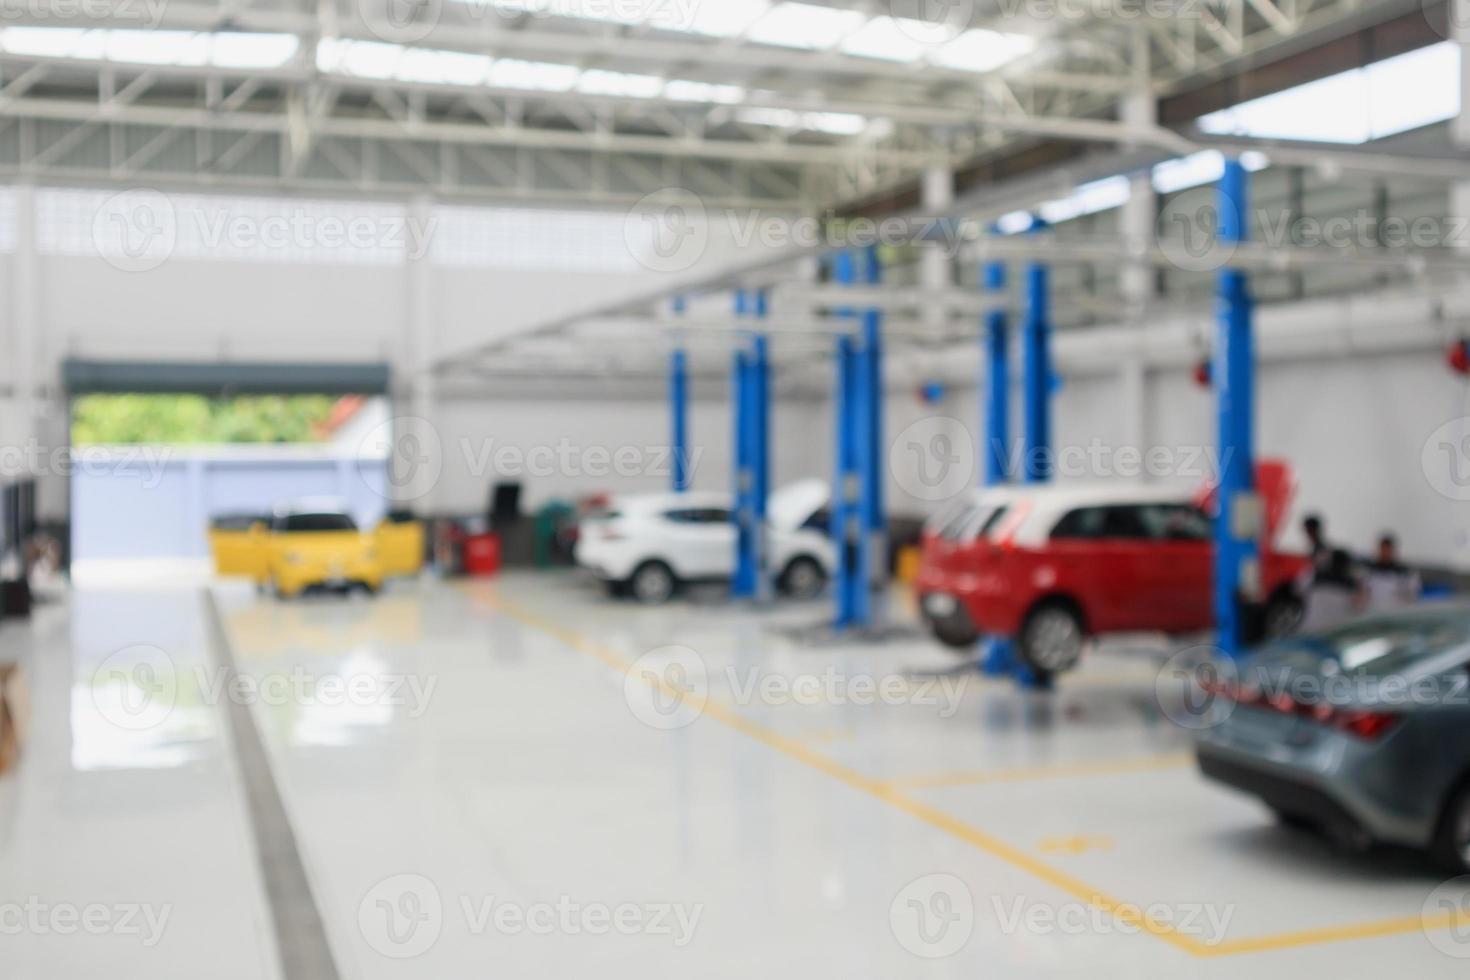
[1391,584]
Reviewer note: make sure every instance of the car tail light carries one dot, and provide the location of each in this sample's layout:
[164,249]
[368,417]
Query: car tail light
[1370,725]
[1367,724]
[612,534]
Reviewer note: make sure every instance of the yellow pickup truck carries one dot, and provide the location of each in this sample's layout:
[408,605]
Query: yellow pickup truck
[299,548]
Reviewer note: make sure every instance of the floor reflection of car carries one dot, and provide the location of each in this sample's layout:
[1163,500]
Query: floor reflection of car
[316,545]
[1052,566]
[1362,731]
[648,546]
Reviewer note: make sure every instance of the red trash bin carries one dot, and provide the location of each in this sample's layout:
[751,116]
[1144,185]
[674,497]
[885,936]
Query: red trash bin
[482,555]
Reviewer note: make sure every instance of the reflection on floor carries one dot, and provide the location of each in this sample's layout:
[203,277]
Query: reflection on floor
[528,779]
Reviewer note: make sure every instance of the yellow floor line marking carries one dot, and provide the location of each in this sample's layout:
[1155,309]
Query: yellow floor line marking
[1080,844]
[1335,934]
[1127,913]
[978,777]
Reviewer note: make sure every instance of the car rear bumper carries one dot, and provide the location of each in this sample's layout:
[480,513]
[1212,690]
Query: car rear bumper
[1285,794]
[992,610]
[1309,796]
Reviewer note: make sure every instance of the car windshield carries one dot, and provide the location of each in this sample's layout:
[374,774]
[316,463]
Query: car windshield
[1378,647]
[302,523]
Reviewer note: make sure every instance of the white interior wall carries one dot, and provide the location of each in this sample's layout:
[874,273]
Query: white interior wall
[569,448]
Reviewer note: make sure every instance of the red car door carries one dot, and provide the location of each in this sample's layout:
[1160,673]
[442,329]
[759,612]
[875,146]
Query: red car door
[1100,555]
[1181,573]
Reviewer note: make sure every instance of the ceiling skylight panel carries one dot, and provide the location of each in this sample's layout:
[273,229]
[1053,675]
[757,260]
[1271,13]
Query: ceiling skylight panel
[156,47]
[982,50]
[535,75]
[231,49]
[803,25]
[365,59]
[837,123]
[725,18]
[596,81]
[442,67]
[54,42]
[891,39]
[1204,167]
[690,91]
[1099,195]
[1413,89]
[1387,97]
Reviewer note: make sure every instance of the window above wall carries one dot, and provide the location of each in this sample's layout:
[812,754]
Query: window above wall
[1391,96]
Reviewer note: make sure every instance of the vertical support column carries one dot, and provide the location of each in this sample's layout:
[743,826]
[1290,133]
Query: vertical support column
[1138,278]
[679,408]
[760,397]
[1139,214]
[412,478]
[1237,528]
[997,653]
[20,413]
[1038,379]
[875,556]
[1458,12]
[996,425]
[850,587]
[936,269]
[743,584]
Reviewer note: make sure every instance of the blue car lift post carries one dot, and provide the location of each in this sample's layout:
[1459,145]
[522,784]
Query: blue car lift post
[875,557]
[850,537]
[742,584]
[679,408]
[760,450]
[998,653]
[1237,561]
[750,392]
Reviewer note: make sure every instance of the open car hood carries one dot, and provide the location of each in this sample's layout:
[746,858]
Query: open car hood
[1275,482]
[791,505]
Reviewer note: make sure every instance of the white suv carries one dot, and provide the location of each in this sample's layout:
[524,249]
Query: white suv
[647,546]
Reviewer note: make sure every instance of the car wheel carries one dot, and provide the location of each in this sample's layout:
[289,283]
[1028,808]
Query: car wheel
[1052,638]
[1452,846]
[1284,615]
[955,633]
[804,578]
[652,582]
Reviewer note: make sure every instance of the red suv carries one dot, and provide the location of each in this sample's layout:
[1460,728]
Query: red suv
[1051,566]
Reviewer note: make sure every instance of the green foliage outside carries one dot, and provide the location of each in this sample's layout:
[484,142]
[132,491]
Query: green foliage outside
[196,420]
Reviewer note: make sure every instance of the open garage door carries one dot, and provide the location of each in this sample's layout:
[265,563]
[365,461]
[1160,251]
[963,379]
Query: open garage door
[163,452]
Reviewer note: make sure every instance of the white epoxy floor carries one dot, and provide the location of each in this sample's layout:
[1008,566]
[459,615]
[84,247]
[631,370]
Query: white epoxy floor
[494,779]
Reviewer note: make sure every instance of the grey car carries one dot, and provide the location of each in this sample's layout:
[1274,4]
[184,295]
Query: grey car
[1362,731]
